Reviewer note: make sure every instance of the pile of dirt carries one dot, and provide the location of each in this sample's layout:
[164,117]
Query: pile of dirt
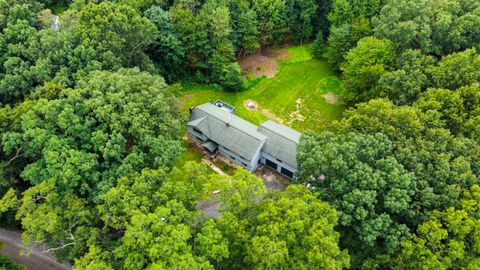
[330,98]
[250,105]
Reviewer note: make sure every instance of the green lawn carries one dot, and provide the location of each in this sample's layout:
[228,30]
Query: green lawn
[294,95]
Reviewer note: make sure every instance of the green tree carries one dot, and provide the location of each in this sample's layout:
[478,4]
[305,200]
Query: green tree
[83,133]
[232,79]
[361,178]
[447,239]
[116,29]
[433,26]
[284,230]
[444,106]
[300,14]
[167,49]
[244,28]
[364,65]
[424,147]
[409,80]
[170,224]
[319,46]
[456,70]
[350,22]
[272,21]
[60,220]
[75,147]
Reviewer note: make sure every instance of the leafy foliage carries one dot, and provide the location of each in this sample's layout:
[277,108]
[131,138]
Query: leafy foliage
[360,177]
[283,230]
[447,239]
[365,64]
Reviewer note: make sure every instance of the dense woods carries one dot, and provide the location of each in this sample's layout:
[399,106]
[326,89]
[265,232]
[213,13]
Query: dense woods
[91,131]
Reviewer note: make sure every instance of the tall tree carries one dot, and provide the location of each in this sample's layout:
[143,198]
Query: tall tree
[409,80]
[364,65]
[447,239]
[433,26]
[456,70]
[167,48]
[116,29]
[282,230]
[272,21]
[361,178]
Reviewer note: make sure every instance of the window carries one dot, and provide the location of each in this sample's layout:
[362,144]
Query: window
[244,164]
[232,157]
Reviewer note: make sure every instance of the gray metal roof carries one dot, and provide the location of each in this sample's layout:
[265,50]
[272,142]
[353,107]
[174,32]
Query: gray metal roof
[211,146]
[282,142]
[227,130]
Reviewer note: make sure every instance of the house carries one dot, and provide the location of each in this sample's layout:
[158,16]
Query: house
[219,131]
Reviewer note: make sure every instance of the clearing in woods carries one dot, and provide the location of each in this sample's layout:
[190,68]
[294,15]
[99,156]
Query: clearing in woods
[302,92]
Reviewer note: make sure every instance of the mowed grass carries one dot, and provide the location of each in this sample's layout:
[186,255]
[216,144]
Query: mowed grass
[294,96]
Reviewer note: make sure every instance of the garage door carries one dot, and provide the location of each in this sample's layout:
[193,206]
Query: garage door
[287,172]
[271,164]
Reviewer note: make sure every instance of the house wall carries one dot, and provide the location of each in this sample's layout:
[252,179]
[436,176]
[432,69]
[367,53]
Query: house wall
[195,135]
[256,158]
[280,165]
[248,164]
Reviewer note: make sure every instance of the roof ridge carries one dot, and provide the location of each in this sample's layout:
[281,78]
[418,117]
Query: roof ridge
[236,127]
[261,125]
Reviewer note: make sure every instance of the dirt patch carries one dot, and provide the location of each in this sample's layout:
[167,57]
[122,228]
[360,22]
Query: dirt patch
[330,98]
[259,65]
[296,115]
[251,105]
[263,63]
[272,179]
[272,116]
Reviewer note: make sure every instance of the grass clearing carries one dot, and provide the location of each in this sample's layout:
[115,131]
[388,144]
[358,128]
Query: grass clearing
[298,54]
[295,95]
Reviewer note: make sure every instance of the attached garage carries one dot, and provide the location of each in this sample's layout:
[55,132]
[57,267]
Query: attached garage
[271,164]
[287,172]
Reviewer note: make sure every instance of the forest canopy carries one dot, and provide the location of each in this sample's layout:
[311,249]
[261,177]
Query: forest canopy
[91,134]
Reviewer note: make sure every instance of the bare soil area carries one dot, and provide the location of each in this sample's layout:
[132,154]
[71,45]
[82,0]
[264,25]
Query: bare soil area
[330,98]
[263,63]
[296,115]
